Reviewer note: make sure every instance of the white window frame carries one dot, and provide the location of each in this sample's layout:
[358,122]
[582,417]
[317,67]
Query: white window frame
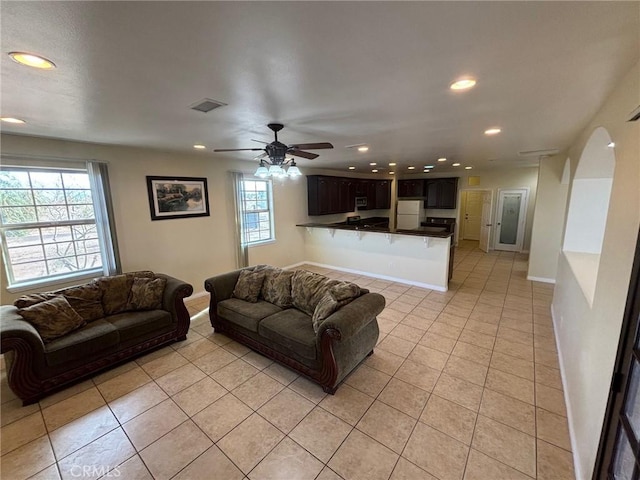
[244,211]
[105,245]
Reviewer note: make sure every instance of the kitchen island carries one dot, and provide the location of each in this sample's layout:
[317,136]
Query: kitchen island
[420,257]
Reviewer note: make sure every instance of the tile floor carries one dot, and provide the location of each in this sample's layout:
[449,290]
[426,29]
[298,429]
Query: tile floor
[463,384]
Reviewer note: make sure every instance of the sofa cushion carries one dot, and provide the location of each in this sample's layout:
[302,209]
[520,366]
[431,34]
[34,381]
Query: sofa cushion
[82,344]
[249,285]
[146,294]
[276,288]
[308,288]
[291,329]
[52,318]
[86,300]
[246,314]
[116,289]
[132,325]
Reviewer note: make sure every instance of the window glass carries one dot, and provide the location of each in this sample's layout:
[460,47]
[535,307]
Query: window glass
[257,211]
[47,224]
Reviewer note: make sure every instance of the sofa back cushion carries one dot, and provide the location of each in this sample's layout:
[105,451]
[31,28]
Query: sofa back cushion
[86,300]
[52,318]
[146,293]
[249,285]
[116,290]
[276,288]
[308,288]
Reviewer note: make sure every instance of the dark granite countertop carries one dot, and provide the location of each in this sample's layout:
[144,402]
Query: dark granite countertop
[437,232]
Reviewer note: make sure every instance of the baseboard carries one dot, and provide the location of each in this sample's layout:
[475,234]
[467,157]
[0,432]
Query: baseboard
[376,275]
[541,279]
[572,436]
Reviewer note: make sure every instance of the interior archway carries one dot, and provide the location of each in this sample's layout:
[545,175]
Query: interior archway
[588,210]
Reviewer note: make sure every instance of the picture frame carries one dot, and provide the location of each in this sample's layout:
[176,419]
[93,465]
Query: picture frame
[177,197]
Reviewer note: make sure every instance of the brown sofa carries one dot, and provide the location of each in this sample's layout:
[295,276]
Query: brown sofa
[113,328]
[323,347]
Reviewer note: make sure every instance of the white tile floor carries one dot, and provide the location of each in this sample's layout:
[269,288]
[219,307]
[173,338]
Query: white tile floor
[463,384]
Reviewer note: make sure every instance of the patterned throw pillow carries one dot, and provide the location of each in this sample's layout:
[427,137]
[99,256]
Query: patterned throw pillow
[249,285]
[308,288]
[25,301]
[332,301]
[52,318]
[276,288]
[116,289]
[146,294]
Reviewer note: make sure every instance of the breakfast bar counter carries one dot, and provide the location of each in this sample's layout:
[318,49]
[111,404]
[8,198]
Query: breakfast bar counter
[420,257]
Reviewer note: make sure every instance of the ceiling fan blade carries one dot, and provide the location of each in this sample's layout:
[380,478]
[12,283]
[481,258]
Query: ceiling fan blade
[300,153]
[259,141]
[311,146]
[238,149]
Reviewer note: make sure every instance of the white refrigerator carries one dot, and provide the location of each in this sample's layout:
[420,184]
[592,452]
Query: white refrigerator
[409,214]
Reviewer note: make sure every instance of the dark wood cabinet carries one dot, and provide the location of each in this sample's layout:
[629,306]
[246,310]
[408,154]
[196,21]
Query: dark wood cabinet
[441,193]
[383,194]
[328,195]
[411,188]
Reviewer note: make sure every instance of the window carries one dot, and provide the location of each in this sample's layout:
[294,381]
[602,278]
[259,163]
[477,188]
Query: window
[48,225]
[257,211]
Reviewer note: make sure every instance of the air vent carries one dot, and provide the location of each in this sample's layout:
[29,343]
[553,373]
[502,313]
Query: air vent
[206,105]
[635,115]
[539,153]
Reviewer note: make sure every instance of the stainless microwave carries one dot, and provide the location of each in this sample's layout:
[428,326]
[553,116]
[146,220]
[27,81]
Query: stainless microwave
[361,201]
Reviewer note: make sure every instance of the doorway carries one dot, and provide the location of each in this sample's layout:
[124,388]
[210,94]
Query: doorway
[511,217]
[476,208]
[619,449]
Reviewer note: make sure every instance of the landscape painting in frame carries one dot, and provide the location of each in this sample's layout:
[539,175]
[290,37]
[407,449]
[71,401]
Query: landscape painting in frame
[177,197]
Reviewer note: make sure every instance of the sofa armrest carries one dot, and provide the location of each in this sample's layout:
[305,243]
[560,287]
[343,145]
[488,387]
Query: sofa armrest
[15,328]
[173,302]
[351,318]
[221,286]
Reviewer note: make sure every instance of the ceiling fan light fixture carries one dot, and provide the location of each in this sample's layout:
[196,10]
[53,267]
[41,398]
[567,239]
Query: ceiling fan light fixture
[31,60]
[463,84]
[293,170]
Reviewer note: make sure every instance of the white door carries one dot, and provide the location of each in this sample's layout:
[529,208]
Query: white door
[472,215]
[485,222]
[512,207]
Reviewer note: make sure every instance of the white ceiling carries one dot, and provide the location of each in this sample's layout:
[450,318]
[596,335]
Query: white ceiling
[343,72]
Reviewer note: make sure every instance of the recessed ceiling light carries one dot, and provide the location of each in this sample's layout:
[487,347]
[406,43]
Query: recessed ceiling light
[392,164]
[492,131]
[463,84]
[363,148]
[375,170]
[31,60]
[611,144]
[468,168]
[443,159]
[411,168]
[199,146]
[426,170]
[428,166]
[352,168]
[392,173]
[373,164]
[455,164]
[12,120]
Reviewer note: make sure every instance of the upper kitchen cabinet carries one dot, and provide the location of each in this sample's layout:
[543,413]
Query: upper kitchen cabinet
[441,193]
[322,194]
[383,194]
[411,188]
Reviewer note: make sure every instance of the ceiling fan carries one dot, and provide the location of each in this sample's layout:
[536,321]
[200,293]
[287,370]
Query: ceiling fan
[278,151]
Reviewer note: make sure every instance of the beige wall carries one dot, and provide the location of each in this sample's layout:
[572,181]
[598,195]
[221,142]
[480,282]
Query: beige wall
[588,336]
[191,249]
[548,220]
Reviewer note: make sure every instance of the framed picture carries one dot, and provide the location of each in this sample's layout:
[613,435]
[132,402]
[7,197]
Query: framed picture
[177,197]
